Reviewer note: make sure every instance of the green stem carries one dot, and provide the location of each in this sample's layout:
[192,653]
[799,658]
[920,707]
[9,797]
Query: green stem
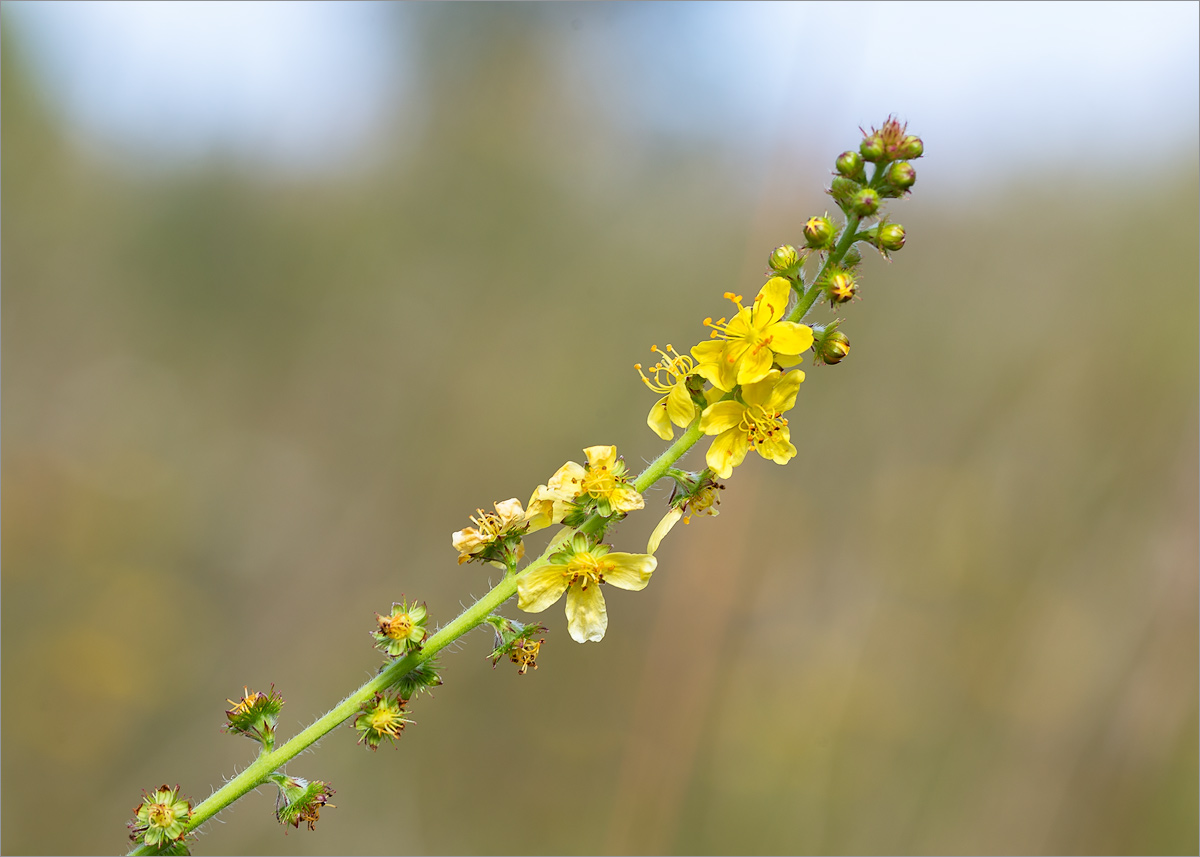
[260,769]
[658,468]
[839,252]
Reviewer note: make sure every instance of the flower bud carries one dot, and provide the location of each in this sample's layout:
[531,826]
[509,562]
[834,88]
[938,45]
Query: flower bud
[842,286]
[901,174]
[889,236]
[783,259]
[865,202]
[849,164]
[833,346]
[819,233]
[872,147]
[843,190]
[911,147]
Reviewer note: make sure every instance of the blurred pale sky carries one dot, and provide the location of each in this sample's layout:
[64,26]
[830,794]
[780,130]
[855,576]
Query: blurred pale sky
[305,86]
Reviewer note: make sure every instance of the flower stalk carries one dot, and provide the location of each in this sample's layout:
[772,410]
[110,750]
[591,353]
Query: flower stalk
[735,387]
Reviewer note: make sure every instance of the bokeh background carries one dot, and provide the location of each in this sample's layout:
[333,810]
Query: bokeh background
[290,290]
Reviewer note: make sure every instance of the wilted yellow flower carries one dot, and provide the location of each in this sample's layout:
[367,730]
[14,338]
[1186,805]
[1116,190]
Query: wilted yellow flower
[495,536]
[758,424]
[578,570]
[703,502]
[676,405]
[743,350]
[603,481]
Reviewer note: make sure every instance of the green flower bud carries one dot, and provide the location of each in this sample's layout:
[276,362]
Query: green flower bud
[819,232]
[843,190]
[833,346]
[849,164]
[783,259]
[911,147]
[865,202]
[872,147]
[901,174]
[889,236]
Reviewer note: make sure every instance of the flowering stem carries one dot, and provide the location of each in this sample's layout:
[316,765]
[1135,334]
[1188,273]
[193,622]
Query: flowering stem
[658,468]
[260,770]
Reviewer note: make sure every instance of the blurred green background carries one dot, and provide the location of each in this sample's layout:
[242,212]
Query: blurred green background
[243,411]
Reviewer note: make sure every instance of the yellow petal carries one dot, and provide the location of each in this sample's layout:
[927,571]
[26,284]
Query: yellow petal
[564,484]
[721,416]
[727,452]
[510,511]
[660,421]
[680,406]
[664,526]
[771,302]
[759,393]
[629,570]
[755,365]
[540,587]
[601,456]
[587,619]
[787,337]
[783,396]
[788,360]
[716,364]
[780,449]
[625,498]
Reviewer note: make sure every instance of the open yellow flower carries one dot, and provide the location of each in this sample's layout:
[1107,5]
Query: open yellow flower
[743,350]
[602,481]
[757,424]
[676,406]
[578,570]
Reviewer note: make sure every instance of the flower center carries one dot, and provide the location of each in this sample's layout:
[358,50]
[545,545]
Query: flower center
[761,425]
[160,815]
[599,481]
[397,627]
[586,570]
[386,721]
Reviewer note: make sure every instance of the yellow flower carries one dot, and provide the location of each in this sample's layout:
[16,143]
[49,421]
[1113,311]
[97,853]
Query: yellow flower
[578,570]
[742,351]
[497,536]
[676,406]
[758,424]
[602,482]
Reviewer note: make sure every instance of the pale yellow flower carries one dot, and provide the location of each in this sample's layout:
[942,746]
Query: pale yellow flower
[603,482]
[578,570]
[743,350]
[676,405]
[757,424]
[487,539]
